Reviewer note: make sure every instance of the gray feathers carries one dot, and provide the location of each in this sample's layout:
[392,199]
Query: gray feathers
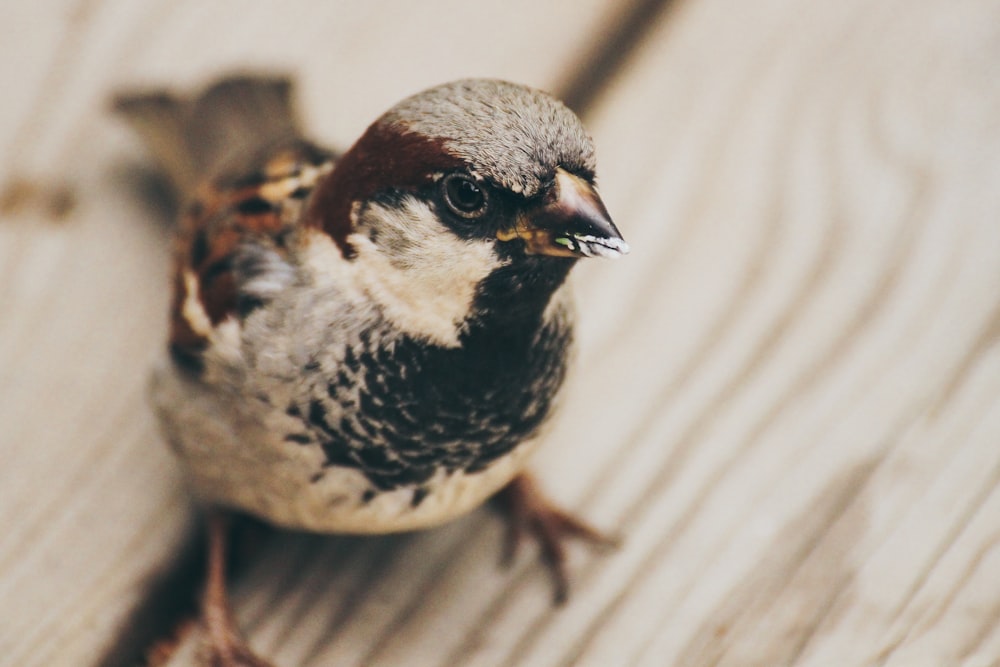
[530,132]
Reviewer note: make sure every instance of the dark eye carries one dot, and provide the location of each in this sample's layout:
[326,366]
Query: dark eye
[464,196]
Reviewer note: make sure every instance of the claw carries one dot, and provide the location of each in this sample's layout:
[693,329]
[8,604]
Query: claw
[528,509]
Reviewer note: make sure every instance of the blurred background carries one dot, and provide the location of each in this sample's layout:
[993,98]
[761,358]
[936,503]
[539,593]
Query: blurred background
[787,398]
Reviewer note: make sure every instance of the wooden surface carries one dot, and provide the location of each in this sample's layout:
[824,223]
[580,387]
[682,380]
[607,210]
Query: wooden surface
[788,398]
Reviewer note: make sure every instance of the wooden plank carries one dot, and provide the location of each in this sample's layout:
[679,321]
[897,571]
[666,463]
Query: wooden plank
[788,395]
[849,181]
[829,273]
[91,503]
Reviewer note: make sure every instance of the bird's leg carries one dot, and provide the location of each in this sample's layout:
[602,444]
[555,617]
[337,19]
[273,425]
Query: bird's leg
[529,510]
[225,645]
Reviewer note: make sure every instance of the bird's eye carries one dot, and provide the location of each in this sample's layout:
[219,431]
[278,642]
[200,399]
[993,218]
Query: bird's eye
[464,196]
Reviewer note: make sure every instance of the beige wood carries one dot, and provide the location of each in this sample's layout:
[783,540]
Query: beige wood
[788,397]
[91,507]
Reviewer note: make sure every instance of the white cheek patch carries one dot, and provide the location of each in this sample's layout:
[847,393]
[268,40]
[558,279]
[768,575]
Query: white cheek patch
[421,274]
[417,272]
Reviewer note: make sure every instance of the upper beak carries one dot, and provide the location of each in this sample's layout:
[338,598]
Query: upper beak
[570,222]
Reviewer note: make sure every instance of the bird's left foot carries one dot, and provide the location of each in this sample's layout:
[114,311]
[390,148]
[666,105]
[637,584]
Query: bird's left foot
[224,645]
[529,510]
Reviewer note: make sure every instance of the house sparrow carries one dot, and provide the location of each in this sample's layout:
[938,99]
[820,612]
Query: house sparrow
[369,342]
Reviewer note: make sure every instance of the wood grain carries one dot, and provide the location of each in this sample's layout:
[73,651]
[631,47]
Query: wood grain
[788,395]
[788,398]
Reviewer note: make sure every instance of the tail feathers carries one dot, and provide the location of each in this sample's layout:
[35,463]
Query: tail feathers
[158,119]
[194,137]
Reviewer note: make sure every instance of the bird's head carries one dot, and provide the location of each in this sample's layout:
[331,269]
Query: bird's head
[470,187]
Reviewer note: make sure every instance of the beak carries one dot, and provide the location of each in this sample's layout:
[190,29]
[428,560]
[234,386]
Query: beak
[570,222]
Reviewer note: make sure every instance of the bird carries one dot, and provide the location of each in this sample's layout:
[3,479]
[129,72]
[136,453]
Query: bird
[369,341]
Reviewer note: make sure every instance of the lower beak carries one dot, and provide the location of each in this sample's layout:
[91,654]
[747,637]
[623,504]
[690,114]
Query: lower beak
[570,222]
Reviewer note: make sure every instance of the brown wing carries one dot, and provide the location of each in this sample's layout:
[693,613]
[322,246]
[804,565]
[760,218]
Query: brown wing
[234,152]
[242,209]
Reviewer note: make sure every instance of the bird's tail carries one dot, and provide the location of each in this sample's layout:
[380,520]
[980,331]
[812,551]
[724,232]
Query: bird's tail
[192,137]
